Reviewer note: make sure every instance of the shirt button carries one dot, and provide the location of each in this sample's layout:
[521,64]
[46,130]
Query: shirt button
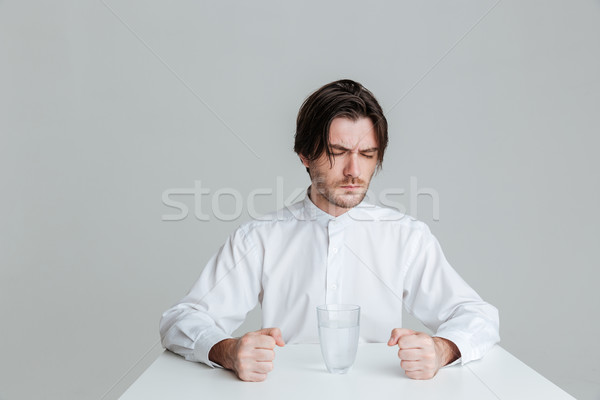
[334,250]
[333,287]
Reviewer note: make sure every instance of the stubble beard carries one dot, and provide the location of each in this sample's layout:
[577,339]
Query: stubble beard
[349,200]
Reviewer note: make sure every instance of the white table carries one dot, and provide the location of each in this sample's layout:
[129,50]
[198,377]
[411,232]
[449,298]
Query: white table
[300,373]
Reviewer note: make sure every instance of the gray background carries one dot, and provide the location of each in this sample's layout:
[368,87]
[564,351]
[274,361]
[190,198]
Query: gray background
[105,105]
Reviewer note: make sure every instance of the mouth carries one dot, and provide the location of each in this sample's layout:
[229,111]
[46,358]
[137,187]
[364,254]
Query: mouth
[350,187]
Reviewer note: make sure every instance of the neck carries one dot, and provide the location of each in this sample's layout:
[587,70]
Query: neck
[325,205]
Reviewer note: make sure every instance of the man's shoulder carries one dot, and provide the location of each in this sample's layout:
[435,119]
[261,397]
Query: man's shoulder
[391,224]
[286,214]
[389,215]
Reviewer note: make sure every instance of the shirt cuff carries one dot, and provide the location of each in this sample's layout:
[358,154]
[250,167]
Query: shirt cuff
[458,360]
[204,343]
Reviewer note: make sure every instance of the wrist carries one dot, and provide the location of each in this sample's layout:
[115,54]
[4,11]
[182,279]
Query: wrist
[447,351]
[222,353]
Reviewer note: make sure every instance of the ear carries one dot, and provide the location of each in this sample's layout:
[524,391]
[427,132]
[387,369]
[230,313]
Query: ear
[304,160]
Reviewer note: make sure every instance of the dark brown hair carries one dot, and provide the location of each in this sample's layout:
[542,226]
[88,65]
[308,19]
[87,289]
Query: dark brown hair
[343,98]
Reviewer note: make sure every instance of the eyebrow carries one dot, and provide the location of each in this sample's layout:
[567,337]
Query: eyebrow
[340,147]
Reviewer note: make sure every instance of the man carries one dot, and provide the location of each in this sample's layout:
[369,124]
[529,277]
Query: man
[332,247]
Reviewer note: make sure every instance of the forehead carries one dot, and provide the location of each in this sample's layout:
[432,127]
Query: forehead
[352,134]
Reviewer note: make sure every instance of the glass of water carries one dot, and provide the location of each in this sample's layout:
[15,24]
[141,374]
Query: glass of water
[339,326]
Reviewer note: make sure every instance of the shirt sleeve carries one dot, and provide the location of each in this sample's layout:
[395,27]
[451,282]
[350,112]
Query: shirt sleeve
[228,288]
[436,295]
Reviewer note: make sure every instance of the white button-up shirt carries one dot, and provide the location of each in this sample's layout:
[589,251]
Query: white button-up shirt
[300,257]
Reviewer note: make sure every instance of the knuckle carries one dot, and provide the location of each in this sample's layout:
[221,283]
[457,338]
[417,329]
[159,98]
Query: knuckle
[245,340]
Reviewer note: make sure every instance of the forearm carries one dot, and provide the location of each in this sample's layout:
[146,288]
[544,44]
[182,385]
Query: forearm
[222,353]
[447,350]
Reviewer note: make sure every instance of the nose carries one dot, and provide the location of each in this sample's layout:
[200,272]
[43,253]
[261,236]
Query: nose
[352,168]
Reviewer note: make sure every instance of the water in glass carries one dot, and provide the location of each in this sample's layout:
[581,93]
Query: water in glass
[338,332]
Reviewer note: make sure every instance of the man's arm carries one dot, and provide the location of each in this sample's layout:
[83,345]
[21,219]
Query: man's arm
[251,356]
[447,349]
[436,295]
[218,302]
[422,355]
[222,353]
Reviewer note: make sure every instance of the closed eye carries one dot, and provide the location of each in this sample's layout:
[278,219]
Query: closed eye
[340,151]
[362,154]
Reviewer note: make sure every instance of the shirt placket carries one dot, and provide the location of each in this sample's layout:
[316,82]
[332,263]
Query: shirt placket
[334,262]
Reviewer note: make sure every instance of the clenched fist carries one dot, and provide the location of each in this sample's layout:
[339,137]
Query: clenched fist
[422,355]
[251,356]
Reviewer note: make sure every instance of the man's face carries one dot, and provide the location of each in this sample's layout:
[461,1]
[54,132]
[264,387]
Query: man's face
[339,187]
